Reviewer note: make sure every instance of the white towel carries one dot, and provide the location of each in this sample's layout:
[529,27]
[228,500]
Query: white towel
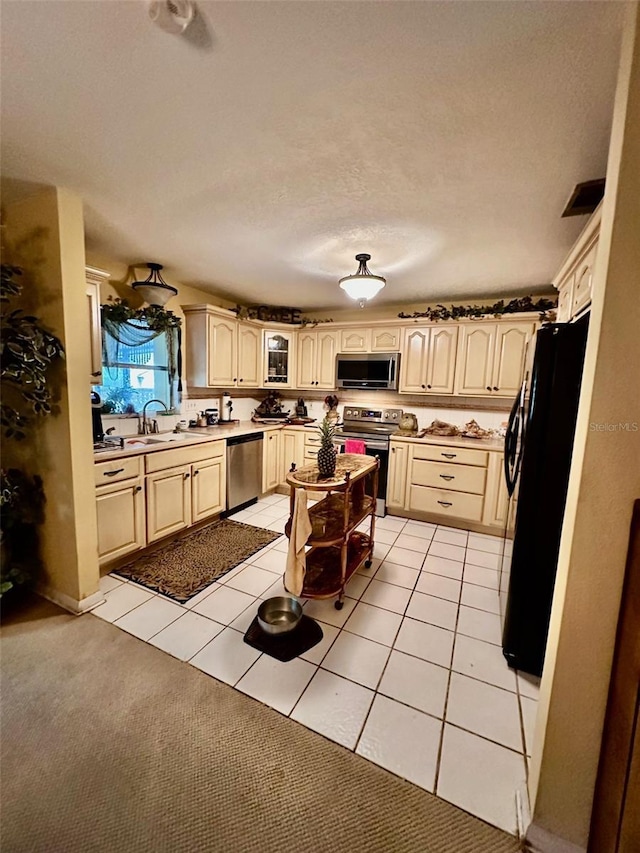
[300,532]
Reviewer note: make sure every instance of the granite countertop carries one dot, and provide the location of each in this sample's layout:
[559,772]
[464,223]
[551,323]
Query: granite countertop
[493,443]
[134,446]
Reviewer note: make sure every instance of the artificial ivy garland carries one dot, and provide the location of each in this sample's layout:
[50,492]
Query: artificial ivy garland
[458,312]
[153,316]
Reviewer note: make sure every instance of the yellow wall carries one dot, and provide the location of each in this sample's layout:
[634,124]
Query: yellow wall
[45,236]
[605,480]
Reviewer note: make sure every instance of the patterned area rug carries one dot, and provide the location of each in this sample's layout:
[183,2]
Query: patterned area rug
[188,565]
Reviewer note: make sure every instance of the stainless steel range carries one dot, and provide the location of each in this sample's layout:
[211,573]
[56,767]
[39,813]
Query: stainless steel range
[375,427]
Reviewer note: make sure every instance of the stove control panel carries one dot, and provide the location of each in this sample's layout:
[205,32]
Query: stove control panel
[372,416]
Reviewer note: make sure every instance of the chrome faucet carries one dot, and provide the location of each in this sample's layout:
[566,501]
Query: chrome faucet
[144,427]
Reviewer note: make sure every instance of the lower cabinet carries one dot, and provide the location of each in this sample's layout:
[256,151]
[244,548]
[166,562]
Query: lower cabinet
[457,483]
[168,502]
[208,489]
[121,525]
[397,476]
[291,451]
[182,487]
[270,460]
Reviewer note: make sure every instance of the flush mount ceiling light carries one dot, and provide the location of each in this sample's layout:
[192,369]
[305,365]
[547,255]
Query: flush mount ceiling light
[173,16]
[155,290]
[362,285]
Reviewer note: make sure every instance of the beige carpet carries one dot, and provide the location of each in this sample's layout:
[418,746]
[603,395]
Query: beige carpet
[110,745]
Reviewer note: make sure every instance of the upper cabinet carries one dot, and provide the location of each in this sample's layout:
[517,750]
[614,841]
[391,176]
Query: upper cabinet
[94,278]
[277,359]
[491,358]
[374,339]
[574,281]
[249,356]
[317,352]
[428,360]
[220,351]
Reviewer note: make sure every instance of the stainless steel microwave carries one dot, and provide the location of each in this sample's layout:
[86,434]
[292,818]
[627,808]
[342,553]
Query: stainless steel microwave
[368,370]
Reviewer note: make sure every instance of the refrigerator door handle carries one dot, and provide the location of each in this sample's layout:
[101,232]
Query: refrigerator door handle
[511,443]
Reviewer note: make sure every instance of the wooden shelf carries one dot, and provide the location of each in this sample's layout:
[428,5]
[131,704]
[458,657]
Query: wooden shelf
[327,518]
[323,578]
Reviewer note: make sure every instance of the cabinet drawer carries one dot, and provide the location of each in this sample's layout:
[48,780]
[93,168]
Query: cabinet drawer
[440,502]
[456,455]
[117,469]
[312,440]
[163,459]
[458,478]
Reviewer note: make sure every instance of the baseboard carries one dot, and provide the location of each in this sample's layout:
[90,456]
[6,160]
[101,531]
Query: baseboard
[540,840]
[523,811]
[72,605]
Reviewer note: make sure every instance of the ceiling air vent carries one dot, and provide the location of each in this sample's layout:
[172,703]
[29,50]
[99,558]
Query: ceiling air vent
[585,198]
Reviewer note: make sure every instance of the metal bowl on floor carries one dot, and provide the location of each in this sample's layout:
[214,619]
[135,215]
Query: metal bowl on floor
[279,615]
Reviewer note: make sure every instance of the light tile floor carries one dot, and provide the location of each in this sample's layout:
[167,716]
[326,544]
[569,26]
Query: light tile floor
[409,674]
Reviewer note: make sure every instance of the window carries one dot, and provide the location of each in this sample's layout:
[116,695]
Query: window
[137,374]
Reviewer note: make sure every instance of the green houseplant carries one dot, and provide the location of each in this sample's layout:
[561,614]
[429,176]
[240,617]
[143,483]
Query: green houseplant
[27,351]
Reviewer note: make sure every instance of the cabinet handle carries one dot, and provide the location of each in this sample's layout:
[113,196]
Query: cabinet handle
[96,373]
[393,450]
[445,503]
[495,388]
[266,381]
[186,476]
[448,476]
[234,379]
[138,489]
[195,473]
[423,386]
[113,473]
[240,380]
[428,386]
[488,387]
[449,455]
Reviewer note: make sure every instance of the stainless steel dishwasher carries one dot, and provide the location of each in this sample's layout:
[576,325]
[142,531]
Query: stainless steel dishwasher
[244,470]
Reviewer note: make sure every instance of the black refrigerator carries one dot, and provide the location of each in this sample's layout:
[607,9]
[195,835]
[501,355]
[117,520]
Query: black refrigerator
[537,461]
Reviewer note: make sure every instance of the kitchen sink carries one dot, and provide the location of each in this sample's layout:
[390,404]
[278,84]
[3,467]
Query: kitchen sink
[166,438]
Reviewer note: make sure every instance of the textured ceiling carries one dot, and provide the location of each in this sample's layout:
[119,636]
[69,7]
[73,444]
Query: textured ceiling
[258,153]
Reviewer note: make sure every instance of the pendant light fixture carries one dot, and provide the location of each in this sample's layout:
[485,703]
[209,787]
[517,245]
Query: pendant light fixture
[362,285]
[154,289]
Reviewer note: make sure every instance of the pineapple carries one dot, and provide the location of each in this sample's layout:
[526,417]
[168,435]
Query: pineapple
[327,452]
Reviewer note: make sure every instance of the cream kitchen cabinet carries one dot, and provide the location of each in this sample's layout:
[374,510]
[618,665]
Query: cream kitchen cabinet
[496,502]
[574,281]
[249,364]
[372,339]
[291,451]
[208,488]
[94,278]
[428,360]
[317,352]
[397,477]
[168,502]
[185,485]
[491,358]
[120,509]
[271,460]
[277,359]
[220,351]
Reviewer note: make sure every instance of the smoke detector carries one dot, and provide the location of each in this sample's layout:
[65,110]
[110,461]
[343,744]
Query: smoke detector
[173,16]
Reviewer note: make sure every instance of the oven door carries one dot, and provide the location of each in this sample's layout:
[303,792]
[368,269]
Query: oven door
[375,447]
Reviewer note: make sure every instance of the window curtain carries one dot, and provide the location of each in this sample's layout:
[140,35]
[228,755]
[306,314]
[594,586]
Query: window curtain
[133,334]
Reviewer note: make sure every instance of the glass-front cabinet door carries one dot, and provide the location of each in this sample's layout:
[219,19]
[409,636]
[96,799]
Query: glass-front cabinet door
[278,359]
